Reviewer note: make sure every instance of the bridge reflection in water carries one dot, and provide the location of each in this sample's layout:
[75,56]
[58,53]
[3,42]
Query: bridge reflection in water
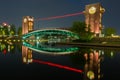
[50,48]
[91,60]
[27,54]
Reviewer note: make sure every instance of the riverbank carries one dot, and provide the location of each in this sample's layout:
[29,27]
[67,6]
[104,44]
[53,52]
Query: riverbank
[92,44]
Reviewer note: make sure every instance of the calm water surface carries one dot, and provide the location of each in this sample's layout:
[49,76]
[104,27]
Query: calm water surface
[88,63]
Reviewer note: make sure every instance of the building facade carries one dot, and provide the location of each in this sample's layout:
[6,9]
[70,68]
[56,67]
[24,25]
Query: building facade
[93,17]
[27,24]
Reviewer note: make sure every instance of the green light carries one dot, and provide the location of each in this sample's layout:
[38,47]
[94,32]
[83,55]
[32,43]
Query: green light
[51,49]
[51,32]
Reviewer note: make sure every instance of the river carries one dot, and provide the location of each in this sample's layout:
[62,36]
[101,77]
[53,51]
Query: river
[86,63]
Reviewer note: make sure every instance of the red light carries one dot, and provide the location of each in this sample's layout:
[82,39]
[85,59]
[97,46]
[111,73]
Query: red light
[55,17]
[58,65]
[4,51]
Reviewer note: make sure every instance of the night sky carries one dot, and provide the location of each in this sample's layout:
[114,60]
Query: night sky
[12,11]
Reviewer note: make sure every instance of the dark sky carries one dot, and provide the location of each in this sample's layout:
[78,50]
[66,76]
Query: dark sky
[12,11]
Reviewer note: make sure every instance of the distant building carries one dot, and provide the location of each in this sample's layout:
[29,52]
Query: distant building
[93,17]
[27,24]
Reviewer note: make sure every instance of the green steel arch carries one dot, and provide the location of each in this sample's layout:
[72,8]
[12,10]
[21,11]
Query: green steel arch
[50,32]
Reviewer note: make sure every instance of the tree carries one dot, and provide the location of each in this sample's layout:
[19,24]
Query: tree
[109,31]
[5,30]
[12,29]
[80,28]
[19,31]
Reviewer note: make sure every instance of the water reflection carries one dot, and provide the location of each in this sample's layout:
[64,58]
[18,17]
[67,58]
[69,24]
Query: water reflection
[50,48]
[87,60]
[90,58]
[5,48]
[92,65]
[26,55]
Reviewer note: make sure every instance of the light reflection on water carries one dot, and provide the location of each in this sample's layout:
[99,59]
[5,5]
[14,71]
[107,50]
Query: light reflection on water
[96,63]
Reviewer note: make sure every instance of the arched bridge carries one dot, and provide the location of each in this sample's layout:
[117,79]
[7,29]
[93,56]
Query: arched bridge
[51,32]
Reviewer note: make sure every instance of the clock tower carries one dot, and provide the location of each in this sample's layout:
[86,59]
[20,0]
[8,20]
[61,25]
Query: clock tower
[93,17]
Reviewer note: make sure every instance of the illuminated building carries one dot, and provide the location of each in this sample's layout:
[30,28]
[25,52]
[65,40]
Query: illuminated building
[27,24]
[93,15]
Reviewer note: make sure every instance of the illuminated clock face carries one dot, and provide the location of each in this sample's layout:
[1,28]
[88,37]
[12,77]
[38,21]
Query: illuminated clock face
[92,10]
